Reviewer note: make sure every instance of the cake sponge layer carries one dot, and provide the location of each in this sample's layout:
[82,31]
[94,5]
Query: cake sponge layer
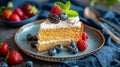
[48,38]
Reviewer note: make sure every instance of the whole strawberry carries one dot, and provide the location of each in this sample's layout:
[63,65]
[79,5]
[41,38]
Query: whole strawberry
[18,11]
[6,14]
[30,10]
[84,36]
[82,46]
[14,57]
[56,10]
[14,17]
[3,48]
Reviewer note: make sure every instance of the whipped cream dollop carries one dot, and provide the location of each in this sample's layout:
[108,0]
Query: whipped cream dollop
[71,22]
[74,20]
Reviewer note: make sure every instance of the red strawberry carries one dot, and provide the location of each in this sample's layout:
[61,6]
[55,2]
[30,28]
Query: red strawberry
[23,17]
[82,46]
[30,10]
[18,11]
[3,48]
[56,10]
[6,14]
[14,17]
[84,36]
[25,8]
[14,57]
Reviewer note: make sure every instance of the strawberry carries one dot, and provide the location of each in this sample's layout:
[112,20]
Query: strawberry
[18,11]
[14,57]
[84,36]
[6,14]
[56,10]
[3,48]
[82,46]
[23,17]
[30,10]
[14,17]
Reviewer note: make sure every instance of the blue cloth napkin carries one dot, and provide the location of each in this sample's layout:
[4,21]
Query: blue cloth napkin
[108,55]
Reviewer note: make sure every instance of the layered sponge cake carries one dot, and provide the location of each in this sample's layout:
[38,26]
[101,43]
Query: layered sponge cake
[61,27]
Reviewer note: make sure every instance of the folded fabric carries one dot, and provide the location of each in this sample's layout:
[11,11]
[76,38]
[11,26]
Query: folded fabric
[108,55]
[105,57]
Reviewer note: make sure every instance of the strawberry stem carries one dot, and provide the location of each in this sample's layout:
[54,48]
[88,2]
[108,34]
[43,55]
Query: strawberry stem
[0,44]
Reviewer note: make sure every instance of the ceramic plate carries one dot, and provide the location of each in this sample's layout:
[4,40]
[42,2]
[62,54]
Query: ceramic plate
[95,42]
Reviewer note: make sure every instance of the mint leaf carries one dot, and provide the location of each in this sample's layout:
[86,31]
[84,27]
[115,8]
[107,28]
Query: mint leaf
[61,5]
[67,5]
[72,13]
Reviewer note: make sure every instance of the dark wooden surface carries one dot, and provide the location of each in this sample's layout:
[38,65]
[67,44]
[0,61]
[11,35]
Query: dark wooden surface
[7,35]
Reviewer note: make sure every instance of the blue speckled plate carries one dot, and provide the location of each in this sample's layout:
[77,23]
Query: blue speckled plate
[95,42]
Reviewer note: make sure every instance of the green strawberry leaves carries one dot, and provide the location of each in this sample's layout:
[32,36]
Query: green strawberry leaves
[66,9]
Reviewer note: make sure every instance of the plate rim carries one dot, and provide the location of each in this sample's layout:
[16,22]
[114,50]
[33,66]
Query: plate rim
[53,57]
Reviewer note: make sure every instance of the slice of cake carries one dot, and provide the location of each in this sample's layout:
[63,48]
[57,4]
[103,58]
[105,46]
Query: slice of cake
[61,27]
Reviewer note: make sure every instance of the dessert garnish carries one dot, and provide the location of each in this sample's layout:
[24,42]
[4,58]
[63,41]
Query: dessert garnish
[54,18]
[59,48]
[84,36]
[82,45]
[61,11]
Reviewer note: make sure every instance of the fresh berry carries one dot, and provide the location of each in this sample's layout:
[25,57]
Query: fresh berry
[25,7]
[23,17]
[30,10]
[69,48]
[18,11]
[3,48]
[56,10]
[84,36]
[54,18]
[63,16]
[33,44]
[29,37]
[82,46]
[73,44]
[29,64]
[14,17]
[14,57]
[3,64]
[35,38]
[6,14]
[74,50]
[52,51]
[59,48]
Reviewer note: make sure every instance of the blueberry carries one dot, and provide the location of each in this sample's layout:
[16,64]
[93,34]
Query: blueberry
[59,48]
[63,16]
[3,64]
[33,44]
[52,51]
[35,38]
[69,48]
[29,64]
[29,37]
[73,44]
[74,50]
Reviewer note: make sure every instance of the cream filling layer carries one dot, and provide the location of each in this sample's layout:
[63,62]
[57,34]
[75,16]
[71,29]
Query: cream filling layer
[71,22]
[53,41]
